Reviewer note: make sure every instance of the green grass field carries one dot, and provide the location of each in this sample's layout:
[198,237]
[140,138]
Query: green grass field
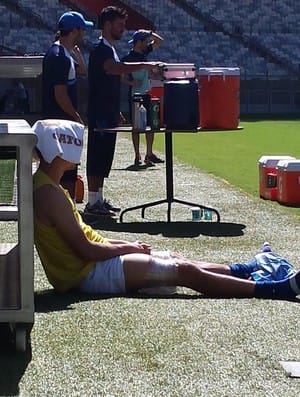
[233,155]
[7,169]
[185,345]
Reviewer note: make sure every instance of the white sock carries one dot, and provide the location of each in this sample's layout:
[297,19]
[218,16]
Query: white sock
[100,194]
[93,197]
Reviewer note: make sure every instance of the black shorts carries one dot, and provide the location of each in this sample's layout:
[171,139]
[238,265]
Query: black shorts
[100,152]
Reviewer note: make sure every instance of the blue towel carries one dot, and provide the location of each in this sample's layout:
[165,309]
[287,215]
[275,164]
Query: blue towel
[271,266]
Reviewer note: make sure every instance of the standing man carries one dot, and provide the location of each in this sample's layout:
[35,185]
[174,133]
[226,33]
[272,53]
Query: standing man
[62,64]
[104,75]
[143,42]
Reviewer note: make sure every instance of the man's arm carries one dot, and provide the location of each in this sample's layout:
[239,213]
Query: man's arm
[130,82]
[113,67]
[64,101]
[53,209]
[157,40]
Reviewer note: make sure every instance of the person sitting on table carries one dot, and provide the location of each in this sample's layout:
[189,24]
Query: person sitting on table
[76,256]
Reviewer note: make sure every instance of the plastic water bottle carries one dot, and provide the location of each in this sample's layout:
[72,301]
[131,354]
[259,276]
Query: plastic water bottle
[154,113]
[143,118]
[136,102]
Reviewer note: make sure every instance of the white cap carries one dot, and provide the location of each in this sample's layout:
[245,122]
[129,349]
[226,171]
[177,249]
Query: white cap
[61,138]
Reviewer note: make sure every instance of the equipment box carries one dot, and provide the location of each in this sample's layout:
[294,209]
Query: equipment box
[17,142]
[268,188]
[170,71]
[288,179]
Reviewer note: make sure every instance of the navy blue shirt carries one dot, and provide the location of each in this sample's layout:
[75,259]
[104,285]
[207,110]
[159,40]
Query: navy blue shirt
[59,68]
[104,89]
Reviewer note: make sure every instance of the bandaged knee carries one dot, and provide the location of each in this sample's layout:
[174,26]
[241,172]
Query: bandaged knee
[164,270]
[162,273]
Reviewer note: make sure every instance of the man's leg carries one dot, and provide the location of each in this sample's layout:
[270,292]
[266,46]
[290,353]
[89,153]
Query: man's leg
[150,156]
[149,143]
[100,154]
[209,266]
[95,182]
[136,146]
[142,271]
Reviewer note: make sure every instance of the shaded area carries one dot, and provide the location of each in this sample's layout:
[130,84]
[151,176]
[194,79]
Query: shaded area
[12,364]
[173,229]
[52,301]
[49,300]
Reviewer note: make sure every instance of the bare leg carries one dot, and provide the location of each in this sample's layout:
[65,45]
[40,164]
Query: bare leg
[136,144]
[209,266]
[214,284]
[149,142]
[137,271]
[94,183]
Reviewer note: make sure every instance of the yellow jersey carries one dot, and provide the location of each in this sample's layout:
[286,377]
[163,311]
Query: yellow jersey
[63,268]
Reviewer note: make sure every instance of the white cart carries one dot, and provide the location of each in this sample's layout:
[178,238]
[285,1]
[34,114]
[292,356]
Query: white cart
[17,141]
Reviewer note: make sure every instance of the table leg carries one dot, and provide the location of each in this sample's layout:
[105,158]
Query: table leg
[169,187]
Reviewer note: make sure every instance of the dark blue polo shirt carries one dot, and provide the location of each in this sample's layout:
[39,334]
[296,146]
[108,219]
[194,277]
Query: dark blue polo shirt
[104,88]
[58,69]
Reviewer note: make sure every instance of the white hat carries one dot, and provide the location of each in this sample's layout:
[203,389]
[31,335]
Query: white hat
[61,138]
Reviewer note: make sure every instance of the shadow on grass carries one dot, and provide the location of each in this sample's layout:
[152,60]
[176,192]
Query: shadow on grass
[52,301]
[49,300]
[12,364]
[175,229]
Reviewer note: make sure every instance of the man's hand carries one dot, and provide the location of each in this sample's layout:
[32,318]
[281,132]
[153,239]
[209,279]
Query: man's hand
[138,248]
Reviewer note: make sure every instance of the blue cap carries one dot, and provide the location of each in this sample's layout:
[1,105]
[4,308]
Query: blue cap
[138,35]
[73,20]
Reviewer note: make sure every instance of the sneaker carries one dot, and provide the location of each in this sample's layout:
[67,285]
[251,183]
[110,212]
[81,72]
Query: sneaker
[97,209]
[108,205]
[153,159]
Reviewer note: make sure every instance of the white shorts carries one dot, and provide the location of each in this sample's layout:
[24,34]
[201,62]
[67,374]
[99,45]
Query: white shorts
[107,277]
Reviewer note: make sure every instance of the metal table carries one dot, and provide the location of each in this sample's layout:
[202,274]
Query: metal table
[169,178]
[17,141]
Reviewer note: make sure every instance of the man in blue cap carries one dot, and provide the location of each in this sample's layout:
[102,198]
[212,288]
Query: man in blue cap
[143,42]
[62,64]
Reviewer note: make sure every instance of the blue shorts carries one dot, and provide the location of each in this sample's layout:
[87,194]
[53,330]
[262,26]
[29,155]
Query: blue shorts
[107,277]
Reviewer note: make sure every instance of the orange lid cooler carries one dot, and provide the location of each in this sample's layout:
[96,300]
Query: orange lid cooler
[268,188]
[288,180]
[219,102]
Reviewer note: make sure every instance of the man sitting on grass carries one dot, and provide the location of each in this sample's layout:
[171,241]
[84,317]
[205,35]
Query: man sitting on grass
[76,256]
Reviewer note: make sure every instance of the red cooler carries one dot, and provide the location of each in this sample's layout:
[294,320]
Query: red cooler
[268,187]
[288,179]
[219,104]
